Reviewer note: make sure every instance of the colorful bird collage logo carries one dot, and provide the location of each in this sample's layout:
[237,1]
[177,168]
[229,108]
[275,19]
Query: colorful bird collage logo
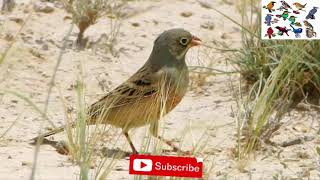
[290,19]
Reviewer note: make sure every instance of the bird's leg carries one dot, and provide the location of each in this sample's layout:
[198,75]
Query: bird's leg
[134,151]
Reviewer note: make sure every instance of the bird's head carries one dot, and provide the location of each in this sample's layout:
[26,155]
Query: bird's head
[272,2]
[176,42]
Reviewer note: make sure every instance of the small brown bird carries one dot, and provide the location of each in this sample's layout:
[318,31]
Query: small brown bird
[299,6]
[153,91]
[307,24]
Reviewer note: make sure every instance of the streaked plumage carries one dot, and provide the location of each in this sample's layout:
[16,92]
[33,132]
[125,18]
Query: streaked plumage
[153,91]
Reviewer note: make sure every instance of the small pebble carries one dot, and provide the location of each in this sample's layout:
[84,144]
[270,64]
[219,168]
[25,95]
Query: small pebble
[186,14]
[135,24]
[225,36]
[207,25]
[14,101]
[25,163]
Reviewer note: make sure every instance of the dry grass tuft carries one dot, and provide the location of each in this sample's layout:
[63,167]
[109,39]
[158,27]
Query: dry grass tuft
[86,13]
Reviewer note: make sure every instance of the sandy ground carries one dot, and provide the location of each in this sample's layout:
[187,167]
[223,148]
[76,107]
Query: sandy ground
[205,109]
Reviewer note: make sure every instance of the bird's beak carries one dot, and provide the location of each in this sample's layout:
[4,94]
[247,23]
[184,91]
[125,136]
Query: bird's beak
[195,41]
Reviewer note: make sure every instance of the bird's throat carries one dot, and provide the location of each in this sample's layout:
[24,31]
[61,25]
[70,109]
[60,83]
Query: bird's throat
[182,55]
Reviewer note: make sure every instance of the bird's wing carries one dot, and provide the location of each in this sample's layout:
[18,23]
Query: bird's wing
[142,84]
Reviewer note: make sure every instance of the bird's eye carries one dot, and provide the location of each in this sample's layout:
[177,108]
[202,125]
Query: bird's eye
[184,41]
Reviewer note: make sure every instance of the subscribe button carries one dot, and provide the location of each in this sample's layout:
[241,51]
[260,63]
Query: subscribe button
[166,166]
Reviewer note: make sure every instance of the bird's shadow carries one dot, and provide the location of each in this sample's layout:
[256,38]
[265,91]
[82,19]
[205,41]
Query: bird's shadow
[115,153]
[62,148]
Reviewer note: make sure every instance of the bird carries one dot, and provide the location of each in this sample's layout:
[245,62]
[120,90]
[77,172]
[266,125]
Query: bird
[285,15]
[292,19]
[282,30]
[296,31]
[270,32]
[284,5]
[268,19]
[311,13]
[297,24]
[270,6]
[310,33]
[299,6]
[153,91]
[307,24]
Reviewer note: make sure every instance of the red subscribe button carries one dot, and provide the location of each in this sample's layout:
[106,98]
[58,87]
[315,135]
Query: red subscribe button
[166,166]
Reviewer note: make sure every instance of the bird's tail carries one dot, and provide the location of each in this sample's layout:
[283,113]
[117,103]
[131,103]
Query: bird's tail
[304,5]
[53,132]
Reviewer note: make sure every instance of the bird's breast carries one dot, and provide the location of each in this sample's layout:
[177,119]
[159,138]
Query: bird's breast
[175,83]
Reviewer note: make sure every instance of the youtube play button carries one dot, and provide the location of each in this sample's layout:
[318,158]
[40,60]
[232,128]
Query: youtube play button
[144,165]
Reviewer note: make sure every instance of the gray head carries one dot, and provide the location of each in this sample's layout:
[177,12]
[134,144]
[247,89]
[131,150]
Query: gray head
[171,47]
